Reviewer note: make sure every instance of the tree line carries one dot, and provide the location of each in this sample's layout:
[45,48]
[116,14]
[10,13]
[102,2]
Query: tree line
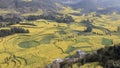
[11,20]
[13,30]
[59,19]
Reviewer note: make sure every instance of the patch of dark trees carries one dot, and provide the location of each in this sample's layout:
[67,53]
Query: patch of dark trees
[108,57]
[90,26]
[13,30]
[11,19]
[59,19]
[88,29]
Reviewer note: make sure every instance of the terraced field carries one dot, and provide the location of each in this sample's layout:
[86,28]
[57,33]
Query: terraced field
[49,40]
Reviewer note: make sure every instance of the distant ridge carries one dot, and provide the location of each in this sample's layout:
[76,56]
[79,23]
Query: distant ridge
[93,5]
[29,5]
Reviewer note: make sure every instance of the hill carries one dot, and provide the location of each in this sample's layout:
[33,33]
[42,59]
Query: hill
[48,40]
[29,5]
[100,6]
[31,39]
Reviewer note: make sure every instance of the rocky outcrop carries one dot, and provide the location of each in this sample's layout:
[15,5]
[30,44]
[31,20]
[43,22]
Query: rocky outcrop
[108,57]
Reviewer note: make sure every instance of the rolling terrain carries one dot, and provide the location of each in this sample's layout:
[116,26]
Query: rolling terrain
[55,29]
[28,6]
[49,40]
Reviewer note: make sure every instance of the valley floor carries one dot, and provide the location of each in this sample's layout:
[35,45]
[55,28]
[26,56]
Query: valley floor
[49,40]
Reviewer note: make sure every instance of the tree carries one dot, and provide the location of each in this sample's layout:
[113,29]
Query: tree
[89,29]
